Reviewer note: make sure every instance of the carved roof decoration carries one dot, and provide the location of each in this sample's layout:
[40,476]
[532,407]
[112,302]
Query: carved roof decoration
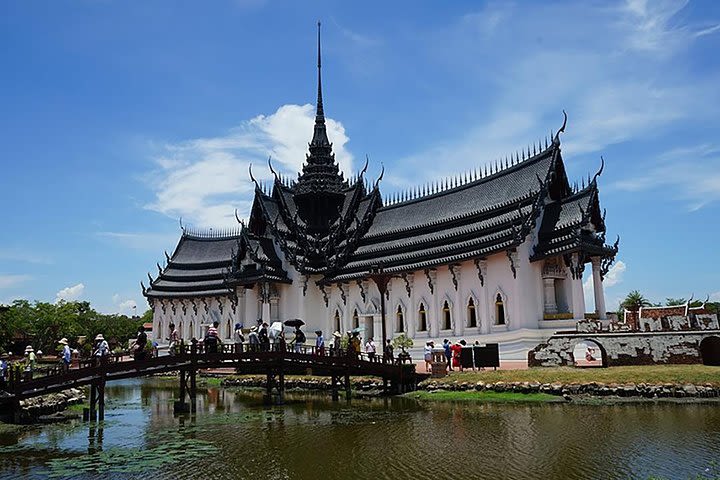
[323,224]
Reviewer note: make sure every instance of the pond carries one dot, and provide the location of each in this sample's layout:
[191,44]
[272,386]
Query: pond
[234,436]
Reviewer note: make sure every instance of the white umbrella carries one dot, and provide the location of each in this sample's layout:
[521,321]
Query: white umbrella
[275,329]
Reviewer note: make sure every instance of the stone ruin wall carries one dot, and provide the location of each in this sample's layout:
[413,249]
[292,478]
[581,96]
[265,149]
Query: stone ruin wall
[624,349]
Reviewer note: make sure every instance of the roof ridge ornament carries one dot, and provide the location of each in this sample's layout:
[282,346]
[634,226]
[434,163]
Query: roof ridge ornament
[556,139]
[272,170]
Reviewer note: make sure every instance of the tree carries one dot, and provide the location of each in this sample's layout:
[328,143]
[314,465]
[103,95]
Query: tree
[634,300]
[671,302]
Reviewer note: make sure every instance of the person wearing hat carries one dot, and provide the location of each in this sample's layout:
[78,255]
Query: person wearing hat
[337,343]
[66,354]
[238,336]
[263,337]
[319,343]
[3,371]
[30,361]
[102,349]
[174,339]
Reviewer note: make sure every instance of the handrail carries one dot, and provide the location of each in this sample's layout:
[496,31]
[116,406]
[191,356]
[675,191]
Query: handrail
[197,355]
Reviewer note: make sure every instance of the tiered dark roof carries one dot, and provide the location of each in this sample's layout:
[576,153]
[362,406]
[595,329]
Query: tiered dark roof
[324,225]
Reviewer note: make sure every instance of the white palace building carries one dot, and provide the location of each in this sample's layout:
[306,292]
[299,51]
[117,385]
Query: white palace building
[496,255]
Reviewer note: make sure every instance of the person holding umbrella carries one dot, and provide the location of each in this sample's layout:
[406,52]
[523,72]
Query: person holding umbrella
[299,340]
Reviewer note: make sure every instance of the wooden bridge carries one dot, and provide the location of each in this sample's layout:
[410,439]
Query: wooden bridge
[274,361]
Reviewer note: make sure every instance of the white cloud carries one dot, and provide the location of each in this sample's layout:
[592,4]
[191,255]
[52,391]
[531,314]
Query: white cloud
[126,306]
[614,69]
[70,293]
[142,240]
[7,281]
[715,297]
[689,173]
[612,278]
[204,180]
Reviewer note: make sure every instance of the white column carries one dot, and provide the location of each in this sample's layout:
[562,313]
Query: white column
[300,298]
[411,311]
[265,298]
[484,318]
[578,297]
[598,288]
[550,304]
[274,308]
[514,317]
[241,313]
[433,313]
[459,313]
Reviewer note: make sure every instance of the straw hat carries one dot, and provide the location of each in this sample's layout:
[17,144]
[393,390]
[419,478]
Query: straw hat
[99,337]
[63,341]
[337,334]
[29,349]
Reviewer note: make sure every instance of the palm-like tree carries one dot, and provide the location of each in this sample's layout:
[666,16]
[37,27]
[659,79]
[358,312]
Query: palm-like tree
[634,301]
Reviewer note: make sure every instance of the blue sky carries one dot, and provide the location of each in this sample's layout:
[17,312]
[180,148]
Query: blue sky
[117,118]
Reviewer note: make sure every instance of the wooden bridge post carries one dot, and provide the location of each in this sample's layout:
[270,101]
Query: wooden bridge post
[193,390]
[93,401]
[347,387]
[334,388]
[181,406]
[101,398]
[281,387]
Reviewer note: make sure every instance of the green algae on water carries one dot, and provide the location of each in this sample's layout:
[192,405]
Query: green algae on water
[173,448]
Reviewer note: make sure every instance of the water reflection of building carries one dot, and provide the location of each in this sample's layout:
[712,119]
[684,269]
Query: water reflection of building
[496,251]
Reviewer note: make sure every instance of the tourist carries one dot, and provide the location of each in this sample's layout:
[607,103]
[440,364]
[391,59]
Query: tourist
[263,337]
[319,343]
[427,353]
[370,349]
[448,354]
[281,342]
[102,349]
[140,344]
[238,337]
[337,343]
[212,338]
[355,343]
[388,356]
[174,340]
[3,371]
[299,340]
[456,348]
[66,354]
[254,339]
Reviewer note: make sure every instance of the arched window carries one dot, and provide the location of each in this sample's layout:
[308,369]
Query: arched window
[422,318]
[192,329]
[447,320]
[399,321]
[499,310]
[228,329]
[471,314]
[336,320]
[160,332]
[180,329]
[356,319]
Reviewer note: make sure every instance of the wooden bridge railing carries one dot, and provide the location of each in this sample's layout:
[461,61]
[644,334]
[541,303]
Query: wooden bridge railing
[198,356]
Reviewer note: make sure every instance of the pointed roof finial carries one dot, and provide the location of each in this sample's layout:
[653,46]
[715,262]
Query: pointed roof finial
[320,138]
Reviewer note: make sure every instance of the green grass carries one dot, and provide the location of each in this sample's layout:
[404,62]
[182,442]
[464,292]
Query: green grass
[483,397]
[651,374]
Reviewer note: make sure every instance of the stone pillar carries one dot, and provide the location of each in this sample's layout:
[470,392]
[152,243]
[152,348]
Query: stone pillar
[483,312]
[598,289]
[265,298]
[411,311]
[458,307]
[549,289]
[274,308]
[301,298]
[241,313]
[515,315]
[578,297]
[433,314]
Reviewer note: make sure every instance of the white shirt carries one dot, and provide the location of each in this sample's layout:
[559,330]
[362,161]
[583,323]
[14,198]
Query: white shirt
[370,347]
